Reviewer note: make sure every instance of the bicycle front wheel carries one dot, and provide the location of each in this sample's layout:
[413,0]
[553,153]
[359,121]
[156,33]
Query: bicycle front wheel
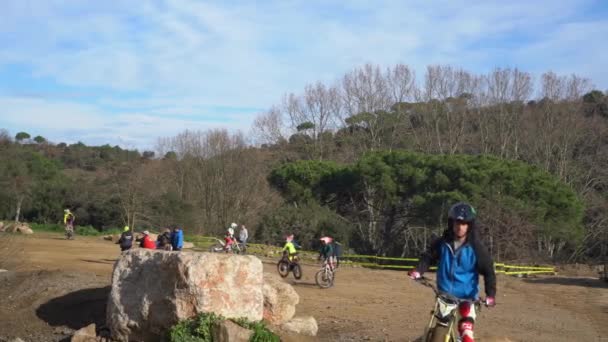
[439,334]
[324,279]
[297,271]
[283,268]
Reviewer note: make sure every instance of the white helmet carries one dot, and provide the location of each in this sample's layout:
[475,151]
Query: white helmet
[233,225]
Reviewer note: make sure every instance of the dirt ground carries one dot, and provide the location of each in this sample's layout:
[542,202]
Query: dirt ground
[54,286]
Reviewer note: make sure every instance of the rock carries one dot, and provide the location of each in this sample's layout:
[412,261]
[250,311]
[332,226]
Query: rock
[2,226]
[3,270]
[152,290]
[188,245]
[62,331]
[302,325]
[86,334]
[280,300]
[113,237]
[228,331]
[16,339]
[23,229]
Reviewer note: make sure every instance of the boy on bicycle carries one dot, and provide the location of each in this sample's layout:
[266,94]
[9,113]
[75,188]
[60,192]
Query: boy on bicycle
[68,220]
[462,258]
[327,252]
[290,248]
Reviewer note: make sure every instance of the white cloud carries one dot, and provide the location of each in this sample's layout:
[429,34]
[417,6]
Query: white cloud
[187,57]
[69,122]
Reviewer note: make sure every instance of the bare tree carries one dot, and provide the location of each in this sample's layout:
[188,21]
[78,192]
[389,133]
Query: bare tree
[268,127]
[316,111]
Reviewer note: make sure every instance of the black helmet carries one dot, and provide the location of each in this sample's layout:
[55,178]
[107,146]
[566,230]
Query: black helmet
[462,212]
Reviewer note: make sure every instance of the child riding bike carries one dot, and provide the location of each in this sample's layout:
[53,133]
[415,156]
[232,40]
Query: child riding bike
[290,248]
[462,258]
[229,239]
[327,253]
[68,221]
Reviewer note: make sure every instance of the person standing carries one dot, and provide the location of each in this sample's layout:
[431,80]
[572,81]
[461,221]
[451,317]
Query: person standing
[243,236]
[126,239]
[177,239]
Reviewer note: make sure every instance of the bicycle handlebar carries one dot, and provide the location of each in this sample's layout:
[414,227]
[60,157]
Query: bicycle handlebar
[425,282]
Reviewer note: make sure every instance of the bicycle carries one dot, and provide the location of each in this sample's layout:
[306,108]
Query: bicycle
[325,276]
[69,232]
[220,247]
[284,266]
[442,326]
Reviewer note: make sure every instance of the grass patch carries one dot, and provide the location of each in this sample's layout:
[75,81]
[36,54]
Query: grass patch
[80,230]
[199,329]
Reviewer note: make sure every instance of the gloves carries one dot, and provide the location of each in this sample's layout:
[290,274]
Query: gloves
[490,301]
[415,275]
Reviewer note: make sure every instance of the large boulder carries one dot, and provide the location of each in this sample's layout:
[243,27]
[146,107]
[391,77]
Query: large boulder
[280,299]
[152,290]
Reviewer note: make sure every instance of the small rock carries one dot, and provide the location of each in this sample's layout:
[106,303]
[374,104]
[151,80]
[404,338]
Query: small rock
[62,330]
[302,325]
[228,331]
[86,334]
[16,339]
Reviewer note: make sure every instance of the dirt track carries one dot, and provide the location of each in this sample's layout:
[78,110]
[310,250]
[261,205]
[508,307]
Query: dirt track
[62,285]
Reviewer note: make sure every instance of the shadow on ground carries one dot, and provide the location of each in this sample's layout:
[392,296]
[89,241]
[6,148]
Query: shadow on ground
[76,309]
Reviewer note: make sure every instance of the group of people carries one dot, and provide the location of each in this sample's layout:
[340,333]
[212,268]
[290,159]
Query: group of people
[169,239]
[459,253]
[328,253]
[230,241]
[460,256]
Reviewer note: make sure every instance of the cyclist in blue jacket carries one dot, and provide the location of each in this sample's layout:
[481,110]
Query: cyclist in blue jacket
[461,258]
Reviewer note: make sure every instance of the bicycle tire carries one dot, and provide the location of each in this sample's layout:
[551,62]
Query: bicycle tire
[216,248]
[324,281]
[439,334]
[297,271]
[283,268]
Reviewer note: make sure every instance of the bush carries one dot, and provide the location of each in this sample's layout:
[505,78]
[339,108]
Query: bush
[41,227]
[199,329]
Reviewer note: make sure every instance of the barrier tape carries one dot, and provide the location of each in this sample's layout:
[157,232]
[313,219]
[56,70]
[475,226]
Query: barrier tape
[525,272]
[500,267]
[376,257]
[545,268]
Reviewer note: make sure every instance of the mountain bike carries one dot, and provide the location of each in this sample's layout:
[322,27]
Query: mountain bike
[443,325]
[220,247]
[325,276]
[284,266]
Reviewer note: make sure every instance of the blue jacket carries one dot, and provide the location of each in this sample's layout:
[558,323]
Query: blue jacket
[458,270]
[177,239]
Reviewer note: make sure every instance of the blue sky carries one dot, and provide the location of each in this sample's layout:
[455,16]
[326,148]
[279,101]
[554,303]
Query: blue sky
[127,72]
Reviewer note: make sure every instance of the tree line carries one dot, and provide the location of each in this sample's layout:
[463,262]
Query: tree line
[374,158]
